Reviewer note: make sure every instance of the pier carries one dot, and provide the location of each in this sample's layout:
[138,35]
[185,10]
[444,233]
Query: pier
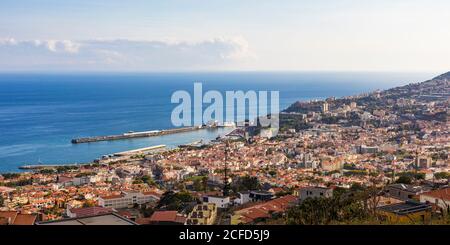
[131,135]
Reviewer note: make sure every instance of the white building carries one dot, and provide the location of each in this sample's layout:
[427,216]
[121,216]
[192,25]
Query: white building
[244,197]
[440,198]
[127,199]
[219,201]
[325,107]
[314,192]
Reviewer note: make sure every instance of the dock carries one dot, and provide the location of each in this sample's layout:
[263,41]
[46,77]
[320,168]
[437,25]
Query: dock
[132,135]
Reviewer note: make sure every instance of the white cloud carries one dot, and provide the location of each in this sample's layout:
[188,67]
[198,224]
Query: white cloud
[122,54]
[60,45]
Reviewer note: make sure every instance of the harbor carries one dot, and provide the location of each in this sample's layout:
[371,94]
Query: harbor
[105,151]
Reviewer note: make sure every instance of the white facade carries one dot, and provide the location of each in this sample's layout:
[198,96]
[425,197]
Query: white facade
[126,200]
[220,202]
[244,197]
[442,202]
[315,192]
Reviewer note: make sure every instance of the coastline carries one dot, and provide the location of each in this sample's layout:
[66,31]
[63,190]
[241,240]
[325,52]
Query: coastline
[42,130]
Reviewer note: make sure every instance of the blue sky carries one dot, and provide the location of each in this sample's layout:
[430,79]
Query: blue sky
[338,35]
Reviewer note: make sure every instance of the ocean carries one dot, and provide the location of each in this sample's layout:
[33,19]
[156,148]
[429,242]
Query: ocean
[41,113]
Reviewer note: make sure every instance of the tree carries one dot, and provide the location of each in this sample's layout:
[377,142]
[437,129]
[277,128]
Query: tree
[2,201]
[205,182]
[442,175]
[88,204]
[404,179]
[197,185]
[10,175]
[175,201]
[148,180]
[246,183]
[343,207]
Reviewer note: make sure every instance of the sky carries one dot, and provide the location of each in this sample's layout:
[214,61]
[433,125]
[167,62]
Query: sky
[224,35]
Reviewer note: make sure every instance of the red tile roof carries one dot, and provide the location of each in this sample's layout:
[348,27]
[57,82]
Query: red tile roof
[111,197]
[10,216]
[143,221]
[25,219]
[90,211]
[164,216]
[15,218]
[439,194]
[263,210]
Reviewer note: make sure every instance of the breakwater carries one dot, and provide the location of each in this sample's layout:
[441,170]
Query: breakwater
[43,166]
[131,135]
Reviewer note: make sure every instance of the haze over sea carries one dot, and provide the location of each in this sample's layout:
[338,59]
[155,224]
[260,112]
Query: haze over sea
[41,113]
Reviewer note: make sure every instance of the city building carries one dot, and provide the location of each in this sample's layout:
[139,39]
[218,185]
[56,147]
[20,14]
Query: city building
[406,213]
[262,211]
[127,199]
[314,192]
[423,162]
[102,219]
[88,211]
[404,192]
[16,218]
[163,218]
[202,214]
[219,201]
[324,107]
[439,198]
[243,198]
[260,196]
[363,149]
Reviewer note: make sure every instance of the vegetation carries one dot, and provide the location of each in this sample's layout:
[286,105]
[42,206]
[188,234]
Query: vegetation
[175,201]
[201,184]
[21,182]
[47,171]
[7,176]
[246,183]
[442,175]
[84,174]
[404,180]
[409,177]
[67,168]
[345,206]
[145,179]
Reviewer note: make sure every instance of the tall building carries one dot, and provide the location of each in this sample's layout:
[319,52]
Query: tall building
[325,107]
[423,162]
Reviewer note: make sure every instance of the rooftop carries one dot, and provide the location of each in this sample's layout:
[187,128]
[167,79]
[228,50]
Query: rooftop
[90,211]
[102,219]
[443,194]
[405,208]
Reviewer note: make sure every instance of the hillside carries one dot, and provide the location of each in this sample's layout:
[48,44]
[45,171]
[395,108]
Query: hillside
[436,89]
